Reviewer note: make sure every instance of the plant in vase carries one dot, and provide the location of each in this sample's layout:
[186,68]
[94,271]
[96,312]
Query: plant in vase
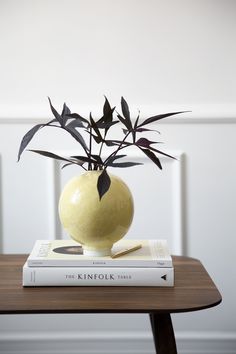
[96,208]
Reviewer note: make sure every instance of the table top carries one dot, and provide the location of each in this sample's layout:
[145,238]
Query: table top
[193,290]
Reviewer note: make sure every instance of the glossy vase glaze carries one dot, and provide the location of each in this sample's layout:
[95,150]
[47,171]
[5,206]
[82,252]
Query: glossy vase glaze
[95,223]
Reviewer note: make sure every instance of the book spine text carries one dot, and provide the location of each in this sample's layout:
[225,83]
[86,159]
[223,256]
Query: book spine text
[93,276]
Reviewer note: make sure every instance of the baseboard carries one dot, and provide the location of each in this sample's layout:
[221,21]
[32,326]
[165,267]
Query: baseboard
[206,342]
[112,343]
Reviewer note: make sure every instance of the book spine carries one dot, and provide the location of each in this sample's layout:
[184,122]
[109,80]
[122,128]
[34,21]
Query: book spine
[80,276]
[97,263]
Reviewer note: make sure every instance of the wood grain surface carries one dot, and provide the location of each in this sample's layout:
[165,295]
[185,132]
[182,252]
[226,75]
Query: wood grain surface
[193,290]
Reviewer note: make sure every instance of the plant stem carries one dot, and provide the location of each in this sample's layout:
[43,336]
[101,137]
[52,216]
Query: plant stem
[90,147]
[86,152]
[120,147]
[100,150]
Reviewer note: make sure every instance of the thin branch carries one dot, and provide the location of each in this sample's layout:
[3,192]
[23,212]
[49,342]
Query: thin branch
[120,147]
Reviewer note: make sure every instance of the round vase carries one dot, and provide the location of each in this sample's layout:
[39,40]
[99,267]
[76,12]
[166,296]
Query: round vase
[95,223]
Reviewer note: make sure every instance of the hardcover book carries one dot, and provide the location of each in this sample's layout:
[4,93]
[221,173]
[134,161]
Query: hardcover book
[97,276]
[68,253]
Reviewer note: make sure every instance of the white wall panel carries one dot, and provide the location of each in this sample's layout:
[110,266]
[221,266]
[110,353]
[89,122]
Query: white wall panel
[27,193]
[199,188]
[1,207]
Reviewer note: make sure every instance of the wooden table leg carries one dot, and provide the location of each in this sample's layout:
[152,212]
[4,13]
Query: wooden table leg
[163,333]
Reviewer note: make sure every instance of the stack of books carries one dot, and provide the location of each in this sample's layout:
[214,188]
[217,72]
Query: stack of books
[132,263]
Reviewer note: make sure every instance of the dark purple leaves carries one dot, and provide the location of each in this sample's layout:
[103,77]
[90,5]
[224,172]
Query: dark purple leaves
[141,130]
[77,136]
[158,117]
[55,113]
[77,123]
[124,164]
[30,134]
[144,142]
[111,162]
[79,118]
[27,138]
[107,108]
[115,157]
[153,157]
[57,157]
[162,153]
[123,121]
[96,132]
[106,125]
[64,114]
[125,109]
[84,159]
[103,183]
[99,138]
[98,159]
[106,121]
[107,112]
[112,142]
[126,113]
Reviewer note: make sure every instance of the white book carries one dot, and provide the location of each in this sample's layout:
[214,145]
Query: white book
[97,276]
[69,253]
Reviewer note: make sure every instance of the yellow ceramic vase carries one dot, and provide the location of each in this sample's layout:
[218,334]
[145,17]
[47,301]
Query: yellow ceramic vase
[95,223]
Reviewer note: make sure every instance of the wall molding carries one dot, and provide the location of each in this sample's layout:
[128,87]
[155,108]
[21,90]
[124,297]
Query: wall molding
[109,342]
[52,192]
[197,113]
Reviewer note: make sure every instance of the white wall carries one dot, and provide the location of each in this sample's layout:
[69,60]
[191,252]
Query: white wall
[159,55]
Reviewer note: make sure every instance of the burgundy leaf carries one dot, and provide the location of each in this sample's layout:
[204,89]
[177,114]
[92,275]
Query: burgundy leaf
[125,110]
[158,117]
[76,123]
[103,183]
[97,159]
[98,139]
[55,113]
[153,157]
[57,157]
[78,117]
[95,128]
[65,111]
[144,142]
[162,153]
[106,121]
[115,157]
[106,125]
[83,159]
[107,110]
[122,120]
[27,138]
[124,164]
[76,135]
[112,142]
[119,142]
[67,164]
[136,122]
[140,130]
[64,114]
[135,128]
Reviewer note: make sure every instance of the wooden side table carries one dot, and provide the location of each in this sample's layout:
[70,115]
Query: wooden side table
[194,290]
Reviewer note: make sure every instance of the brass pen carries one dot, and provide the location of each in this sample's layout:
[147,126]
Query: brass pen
[125,251]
